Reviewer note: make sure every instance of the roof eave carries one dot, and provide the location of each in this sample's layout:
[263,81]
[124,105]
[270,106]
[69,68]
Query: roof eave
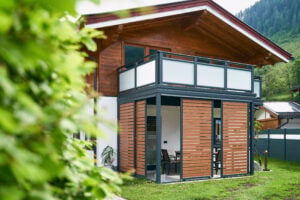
[172,9]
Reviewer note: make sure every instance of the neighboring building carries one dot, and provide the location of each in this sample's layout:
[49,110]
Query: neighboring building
[179,78]
[279,115]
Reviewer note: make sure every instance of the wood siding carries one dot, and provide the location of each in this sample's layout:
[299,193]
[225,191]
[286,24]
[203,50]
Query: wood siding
[110,60]
[140,137]
[235,138]
[165,34]
[126,145]
[272,123]
[197,134]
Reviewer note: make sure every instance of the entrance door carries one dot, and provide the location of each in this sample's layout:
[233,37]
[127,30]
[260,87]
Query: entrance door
[196,138]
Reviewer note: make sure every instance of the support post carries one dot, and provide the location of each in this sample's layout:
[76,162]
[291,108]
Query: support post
[268,142]
[225,75]
[251,142]
[158,137]
[284,142]
[195,71]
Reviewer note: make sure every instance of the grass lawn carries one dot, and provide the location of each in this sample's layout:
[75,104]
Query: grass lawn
[283,182]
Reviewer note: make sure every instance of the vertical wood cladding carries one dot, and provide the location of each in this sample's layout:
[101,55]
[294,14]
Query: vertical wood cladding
[163,35]
[140,137]
[197,134]
[126,145]
[110,60]
[235,138]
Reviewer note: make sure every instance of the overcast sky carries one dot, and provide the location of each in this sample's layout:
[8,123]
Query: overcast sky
[233,6]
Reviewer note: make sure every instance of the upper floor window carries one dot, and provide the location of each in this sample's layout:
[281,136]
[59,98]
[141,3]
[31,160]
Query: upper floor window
[133,54]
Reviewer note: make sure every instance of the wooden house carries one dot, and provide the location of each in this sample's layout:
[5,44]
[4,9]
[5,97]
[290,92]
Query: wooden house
[181,78]
[279,115]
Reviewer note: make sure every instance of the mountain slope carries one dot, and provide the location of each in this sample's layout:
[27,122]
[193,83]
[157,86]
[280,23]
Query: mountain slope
[274,18]
[279,20]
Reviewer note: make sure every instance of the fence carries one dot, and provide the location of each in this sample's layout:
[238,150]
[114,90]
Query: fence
[281,143]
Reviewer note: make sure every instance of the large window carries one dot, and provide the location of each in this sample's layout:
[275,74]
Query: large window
[136,53]
[133,54]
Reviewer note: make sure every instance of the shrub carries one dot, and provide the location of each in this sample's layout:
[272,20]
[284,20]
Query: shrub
[42,100]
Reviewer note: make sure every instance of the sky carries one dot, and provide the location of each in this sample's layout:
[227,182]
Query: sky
[233,6]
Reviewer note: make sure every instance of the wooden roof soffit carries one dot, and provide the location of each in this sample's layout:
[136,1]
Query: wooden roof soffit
[117,32]
[269,58]
[223,43]
[103,20]
[194,22]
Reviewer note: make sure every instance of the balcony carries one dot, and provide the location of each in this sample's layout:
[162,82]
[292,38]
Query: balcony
[177,70]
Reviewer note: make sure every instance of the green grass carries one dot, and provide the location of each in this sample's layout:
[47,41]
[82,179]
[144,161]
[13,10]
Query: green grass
[283,182]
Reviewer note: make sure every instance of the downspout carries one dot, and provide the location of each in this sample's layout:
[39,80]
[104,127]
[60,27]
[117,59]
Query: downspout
[95,87]
[287,121]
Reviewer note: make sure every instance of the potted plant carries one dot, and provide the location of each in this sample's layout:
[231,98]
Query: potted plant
[108,156]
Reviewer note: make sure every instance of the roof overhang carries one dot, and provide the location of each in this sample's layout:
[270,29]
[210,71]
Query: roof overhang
[109,19]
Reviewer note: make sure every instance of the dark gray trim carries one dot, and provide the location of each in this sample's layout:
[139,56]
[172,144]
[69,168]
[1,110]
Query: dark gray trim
[158,137]
[135,77]
[197,178]
[235,175]
[148,92]
[145,138]
[118,137]
[195,72]
[222,139]
[212,138]
[268,142]
[179,60]
[134,135]
[160,68]
[181,139]
[284,144]
[251,138]
[225,76]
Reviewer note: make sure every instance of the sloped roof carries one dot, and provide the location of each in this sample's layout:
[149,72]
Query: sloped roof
[178,8]
[283,109]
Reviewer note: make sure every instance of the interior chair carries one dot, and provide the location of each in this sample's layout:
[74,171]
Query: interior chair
[217,162]
[166,161]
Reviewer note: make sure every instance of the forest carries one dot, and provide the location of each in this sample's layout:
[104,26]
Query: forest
[279,21]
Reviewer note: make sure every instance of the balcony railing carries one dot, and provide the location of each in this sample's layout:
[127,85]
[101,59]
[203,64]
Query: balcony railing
[164,68]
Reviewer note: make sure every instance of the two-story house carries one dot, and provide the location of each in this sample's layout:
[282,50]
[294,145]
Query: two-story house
[179,78]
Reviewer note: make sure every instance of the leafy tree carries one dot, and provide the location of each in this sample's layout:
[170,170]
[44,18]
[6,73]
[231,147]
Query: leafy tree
[42,101]
[280,21]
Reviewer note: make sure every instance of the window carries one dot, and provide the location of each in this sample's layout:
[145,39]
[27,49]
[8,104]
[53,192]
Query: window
[217,130]
[133,54]
[217,123]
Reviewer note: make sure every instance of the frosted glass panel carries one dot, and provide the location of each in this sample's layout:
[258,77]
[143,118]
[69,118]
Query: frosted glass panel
[238,79]
[178,72]
[145,74]
[210,76]
[257,88]
[126,80]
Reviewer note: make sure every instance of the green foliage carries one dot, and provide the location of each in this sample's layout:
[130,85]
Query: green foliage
[257,127]
[274,18]
[42,101]
[280,21]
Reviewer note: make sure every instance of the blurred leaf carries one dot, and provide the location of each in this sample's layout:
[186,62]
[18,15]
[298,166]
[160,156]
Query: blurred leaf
[5,22]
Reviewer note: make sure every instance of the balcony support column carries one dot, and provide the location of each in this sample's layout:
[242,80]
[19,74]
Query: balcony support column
[158,137]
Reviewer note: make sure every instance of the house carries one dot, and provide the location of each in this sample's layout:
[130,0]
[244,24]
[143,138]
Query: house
[180,79]
[279,115]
